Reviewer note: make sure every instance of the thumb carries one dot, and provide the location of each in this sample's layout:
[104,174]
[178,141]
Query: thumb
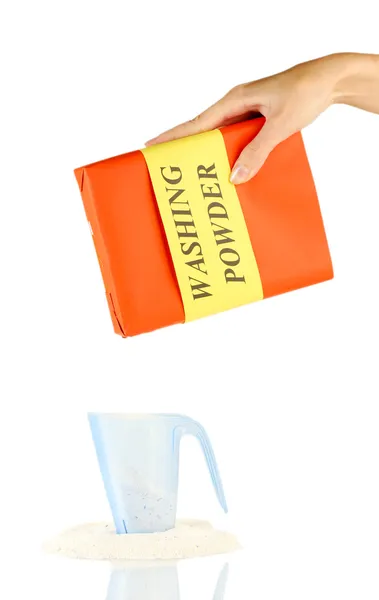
[255,154]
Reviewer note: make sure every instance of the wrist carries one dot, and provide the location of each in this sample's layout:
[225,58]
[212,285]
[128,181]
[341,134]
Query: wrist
[350,72]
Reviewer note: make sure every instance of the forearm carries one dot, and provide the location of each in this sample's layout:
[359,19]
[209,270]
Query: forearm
[357,80]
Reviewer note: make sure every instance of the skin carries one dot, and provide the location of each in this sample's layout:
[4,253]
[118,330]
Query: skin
[289,101]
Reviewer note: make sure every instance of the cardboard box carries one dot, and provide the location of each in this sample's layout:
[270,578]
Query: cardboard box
[279,205]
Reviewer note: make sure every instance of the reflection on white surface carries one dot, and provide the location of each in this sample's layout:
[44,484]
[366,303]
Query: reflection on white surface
[153,581]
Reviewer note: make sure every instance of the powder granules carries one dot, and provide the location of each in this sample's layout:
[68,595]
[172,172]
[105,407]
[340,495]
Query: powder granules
[99,541]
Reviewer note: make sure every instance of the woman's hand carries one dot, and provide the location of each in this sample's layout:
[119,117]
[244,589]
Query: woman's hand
[289,101]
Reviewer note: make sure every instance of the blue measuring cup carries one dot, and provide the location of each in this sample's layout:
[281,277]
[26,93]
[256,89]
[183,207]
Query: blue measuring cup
[139,461]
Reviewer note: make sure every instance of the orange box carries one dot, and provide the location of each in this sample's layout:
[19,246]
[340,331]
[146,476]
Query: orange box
[280,208]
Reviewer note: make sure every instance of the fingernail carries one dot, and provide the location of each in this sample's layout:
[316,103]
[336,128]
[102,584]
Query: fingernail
[150,142]
[239,174]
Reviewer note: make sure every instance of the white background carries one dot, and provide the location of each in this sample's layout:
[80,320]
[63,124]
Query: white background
[287,388]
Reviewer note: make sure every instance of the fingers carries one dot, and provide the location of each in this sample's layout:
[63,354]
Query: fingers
[228,107]
[197,125]
[209,119]
[253,157]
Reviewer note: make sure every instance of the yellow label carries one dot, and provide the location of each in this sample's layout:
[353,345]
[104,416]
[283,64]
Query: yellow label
[204,224]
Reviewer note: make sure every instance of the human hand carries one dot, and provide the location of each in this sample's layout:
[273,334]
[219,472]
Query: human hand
[289,101]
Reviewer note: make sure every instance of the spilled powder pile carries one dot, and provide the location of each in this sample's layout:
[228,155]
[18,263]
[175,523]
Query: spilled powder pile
[99,541]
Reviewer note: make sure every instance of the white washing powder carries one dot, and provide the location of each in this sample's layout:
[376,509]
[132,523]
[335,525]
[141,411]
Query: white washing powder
[99,541]
[145,508]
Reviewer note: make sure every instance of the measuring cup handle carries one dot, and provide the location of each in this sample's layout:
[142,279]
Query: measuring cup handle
[219,593]
[187,426]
